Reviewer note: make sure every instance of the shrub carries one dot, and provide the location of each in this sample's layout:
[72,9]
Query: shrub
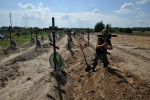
[99,26]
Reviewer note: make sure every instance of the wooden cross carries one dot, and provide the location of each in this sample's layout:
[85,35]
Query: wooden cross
[10,31]
[60,29]
[53,29]
[74,34]
[36,36]
[69,34]
[107,27]
[50,28]
[88,36]
[41,34]
[31,35]
[47,30]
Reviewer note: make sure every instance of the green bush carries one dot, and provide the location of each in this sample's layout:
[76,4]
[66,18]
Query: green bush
[99,26]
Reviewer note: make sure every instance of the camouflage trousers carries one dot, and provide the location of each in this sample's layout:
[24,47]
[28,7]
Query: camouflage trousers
[102,57]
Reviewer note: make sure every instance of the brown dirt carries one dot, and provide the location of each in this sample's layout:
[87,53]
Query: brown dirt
[26,76]
[136,41]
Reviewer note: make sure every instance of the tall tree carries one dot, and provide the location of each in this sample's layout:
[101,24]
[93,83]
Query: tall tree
[99,26]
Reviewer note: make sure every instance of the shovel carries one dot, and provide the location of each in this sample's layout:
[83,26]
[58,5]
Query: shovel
[88,68]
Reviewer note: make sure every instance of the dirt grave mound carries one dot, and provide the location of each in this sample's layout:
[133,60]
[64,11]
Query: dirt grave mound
[105,83]
[8,73]
[31,54]
[10,69]
[110,83]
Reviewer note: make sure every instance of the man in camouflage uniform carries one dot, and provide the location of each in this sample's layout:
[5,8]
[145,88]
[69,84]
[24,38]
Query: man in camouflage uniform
[101,49]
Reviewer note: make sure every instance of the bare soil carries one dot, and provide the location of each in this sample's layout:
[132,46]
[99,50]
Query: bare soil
[27,75]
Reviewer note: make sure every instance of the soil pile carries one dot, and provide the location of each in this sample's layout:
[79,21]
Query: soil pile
[29,77]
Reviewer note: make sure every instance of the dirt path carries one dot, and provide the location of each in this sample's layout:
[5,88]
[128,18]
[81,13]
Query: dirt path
[28,75]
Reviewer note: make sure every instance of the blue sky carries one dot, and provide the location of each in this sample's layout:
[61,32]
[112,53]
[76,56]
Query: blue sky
[75,13]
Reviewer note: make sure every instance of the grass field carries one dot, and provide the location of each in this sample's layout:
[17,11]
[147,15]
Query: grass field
[4,43]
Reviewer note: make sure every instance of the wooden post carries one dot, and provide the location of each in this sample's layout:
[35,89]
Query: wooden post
[107,28]
[74,34]
[31,35]
[53,25]
[36,37]
[10,30]
[53,29]
[88,36]
[41,34]
[48,33]
[69,34]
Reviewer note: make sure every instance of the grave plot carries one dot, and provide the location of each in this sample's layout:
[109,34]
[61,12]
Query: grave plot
[105,83]
[41,76]
[29,70]
[12,42]
[10,67]
[14,50]
[69,45]
[32,78]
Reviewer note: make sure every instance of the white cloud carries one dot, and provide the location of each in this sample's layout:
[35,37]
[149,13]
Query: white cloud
[27,6]
[37,13]
[66,17]
[142,1]
[40,5]
[141,15]
[142,23]
[95,10]
[126,8]
[89,19]
[40,16]
[36,17]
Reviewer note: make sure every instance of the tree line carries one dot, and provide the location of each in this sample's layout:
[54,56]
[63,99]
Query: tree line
[100,26]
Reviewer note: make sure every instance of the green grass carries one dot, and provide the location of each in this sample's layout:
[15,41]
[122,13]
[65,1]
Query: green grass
[4,43]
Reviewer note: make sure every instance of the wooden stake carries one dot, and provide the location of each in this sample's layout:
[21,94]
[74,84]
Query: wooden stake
[53,25]
[107,28]
[36,37]
[53,29]
[10,30]
[10,36]
[31,35]
[88,36]
[10,20]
